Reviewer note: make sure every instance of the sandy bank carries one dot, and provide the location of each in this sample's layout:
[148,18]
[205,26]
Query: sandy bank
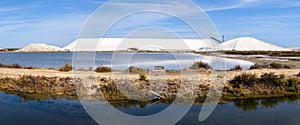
[89,84]
[9,72]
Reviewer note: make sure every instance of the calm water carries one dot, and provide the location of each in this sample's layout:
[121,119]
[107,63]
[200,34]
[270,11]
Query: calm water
[143,60]
[16,110]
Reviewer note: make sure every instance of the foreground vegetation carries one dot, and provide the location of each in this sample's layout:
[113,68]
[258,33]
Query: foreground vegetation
[28,84]
[245,85]
[268,84]
[270,66]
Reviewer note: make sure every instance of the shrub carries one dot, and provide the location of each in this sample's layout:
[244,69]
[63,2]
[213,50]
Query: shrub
[244,79]
[142,76]
[199,64]
[276,66]
[16,66]
[28,67]
[282,80]
[287,67]
[134,69]
[103,69]
[292,82]
[237,67]
[270,79]
[255,66]
[66,68]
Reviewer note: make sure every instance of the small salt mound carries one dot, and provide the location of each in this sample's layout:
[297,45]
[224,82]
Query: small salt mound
[250,44]
[295,48]
[40,48]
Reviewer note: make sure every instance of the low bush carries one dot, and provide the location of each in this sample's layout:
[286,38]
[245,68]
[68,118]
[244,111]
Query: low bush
[134,69]
[142,76]
[255,66]
[276,66]
[28,67]
[270,79]
[199,65]
[66,68]
[237,67]
[244,79]
[266,79]
[17,66]
[282,80]
[103,69]
[292,82]
[287,67]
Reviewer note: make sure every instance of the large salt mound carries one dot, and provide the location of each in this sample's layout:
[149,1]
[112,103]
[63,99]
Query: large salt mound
[112,44]
[250,44]
[40,48]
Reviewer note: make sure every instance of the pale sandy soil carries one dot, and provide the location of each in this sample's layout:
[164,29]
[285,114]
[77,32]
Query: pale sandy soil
[293,62]
[119,74]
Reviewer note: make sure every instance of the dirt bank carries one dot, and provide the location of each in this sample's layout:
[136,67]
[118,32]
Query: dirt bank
[89,84]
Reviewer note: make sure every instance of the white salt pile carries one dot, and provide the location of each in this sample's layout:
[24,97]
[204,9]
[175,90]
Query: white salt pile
[295,48]
[250,44]
[112,44]
[40,48]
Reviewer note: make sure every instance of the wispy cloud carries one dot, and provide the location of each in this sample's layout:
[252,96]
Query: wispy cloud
[241,4]
[59,21]
[3,10]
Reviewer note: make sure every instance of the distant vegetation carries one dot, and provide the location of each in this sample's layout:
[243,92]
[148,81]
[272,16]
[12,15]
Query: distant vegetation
[237,67]
[267,79]
[199,65]
[66,68]
[16,66]
[276,66]
[102,69]
[269,53]
[9,49]
[134,69]
[257,66]
[271,65]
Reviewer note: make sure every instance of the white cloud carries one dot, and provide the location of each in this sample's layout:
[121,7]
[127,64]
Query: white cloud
[55,30]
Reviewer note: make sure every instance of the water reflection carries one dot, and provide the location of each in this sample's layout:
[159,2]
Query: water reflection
[245,104]
[253,104]
[41,109]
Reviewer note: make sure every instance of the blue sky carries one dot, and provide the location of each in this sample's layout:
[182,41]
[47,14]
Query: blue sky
[58,22]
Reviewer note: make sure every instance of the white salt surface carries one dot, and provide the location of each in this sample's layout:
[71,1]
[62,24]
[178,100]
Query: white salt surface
[40,48]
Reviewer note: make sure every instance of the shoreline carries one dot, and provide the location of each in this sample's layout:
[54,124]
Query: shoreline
[57,84]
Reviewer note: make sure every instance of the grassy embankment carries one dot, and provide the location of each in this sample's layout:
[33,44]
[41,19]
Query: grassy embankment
[239,85]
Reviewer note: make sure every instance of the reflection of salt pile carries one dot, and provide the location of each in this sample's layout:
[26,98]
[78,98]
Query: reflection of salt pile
[250,44]
[40,48]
